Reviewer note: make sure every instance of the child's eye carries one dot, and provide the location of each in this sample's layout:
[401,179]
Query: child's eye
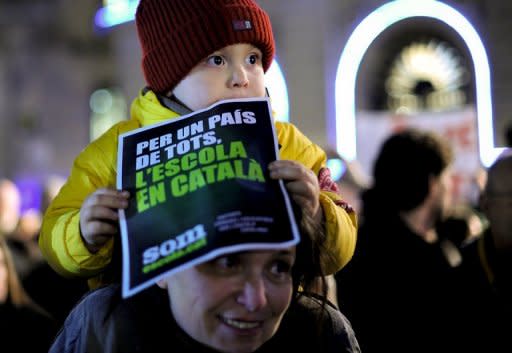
[215,60]
[253,59]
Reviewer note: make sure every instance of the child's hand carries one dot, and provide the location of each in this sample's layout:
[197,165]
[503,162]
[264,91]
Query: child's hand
[301,183]
[98,216]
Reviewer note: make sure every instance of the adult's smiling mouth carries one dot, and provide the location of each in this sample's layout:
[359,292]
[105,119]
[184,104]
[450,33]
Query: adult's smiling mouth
[242,324]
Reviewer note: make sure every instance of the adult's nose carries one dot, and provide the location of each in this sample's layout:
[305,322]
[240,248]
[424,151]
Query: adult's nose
[253,295]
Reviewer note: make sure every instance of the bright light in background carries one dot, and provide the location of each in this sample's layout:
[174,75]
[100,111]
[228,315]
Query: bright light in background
[31,193]
[337,168]
[278,92]
[101,101]
[116,12]
[108,106]
[361,39]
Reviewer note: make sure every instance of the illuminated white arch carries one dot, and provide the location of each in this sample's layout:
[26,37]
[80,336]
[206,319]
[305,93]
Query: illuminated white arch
[121,11]
[361,39]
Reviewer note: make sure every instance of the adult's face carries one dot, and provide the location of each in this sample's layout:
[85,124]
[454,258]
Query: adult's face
[236,302]
[442,193]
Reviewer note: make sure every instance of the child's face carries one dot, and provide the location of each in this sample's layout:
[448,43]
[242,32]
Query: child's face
[235,71]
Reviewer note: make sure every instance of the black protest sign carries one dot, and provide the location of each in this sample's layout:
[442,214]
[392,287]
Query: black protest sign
[199,188]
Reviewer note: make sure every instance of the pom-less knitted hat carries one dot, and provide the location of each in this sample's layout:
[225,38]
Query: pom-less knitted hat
[175,35]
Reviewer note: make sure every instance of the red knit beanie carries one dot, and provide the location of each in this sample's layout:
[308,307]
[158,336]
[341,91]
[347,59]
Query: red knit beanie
[175,35]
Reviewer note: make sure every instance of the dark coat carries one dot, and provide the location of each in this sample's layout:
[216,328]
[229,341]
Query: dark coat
[24,329]
[489,291]
[399,292]
[103,322]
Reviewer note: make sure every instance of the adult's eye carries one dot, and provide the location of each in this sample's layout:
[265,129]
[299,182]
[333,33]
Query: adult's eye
[226,264]
[281,270]
[282,266]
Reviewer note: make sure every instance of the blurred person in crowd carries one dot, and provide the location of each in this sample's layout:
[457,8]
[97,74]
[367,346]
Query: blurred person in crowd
[350,177]
[81,224]
[508,135]
[51,188]
[20,233]
[24,325]
[20,229]
[488,263]
[401,289]
[352,181]
[463,224]
[464,221]
[66,292]
[10,205]
[240,302]
[477,185]
[23,242]
[496,204]
[16,227]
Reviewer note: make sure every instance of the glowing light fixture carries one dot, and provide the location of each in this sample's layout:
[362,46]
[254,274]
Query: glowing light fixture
[115,12]
[426,75]
[361,39]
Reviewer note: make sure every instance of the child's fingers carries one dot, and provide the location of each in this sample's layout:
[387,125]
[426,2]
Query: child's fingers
[96,234]
[112,192]
[101,213]
[107,198]
[305,195]
[301,188]
[101,229]
[290,170]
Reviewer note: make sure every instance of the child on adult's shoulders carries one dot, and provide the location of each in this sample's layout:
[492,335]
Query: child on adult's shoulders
[194,53]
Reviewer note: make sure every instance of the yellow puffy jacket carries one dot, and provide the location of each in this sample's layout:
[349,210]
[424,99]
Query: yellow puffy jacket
[95,167]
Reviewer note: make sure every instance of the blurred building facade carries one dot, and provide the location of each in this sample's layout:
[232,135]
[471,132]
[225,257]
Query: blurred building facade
[53,58]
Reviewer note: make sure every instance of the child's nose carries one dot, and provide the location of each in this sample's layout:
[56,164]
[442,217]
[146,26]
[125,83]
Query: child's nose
[239,77]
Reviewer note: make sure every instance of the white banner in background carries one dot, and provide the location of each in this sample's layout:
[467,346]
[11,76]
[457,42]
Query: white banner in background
[459,127]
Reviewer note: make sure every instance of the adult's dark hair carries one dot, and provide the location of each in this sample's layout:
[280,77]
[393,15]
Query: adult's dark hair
[406,162]
[310,257]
